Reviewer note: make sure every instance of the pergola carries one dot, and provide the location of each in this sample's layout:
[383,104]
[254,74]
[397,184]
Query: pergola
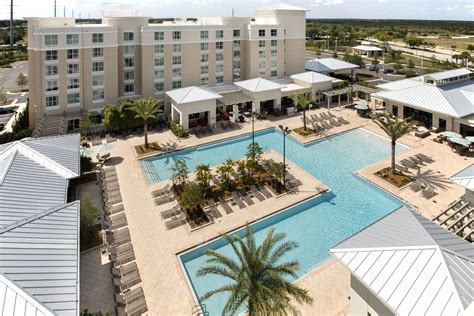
[355,88]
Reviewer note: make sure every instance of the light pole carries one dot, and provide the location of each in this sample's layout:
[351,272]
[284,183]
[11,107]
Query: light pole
[285,131]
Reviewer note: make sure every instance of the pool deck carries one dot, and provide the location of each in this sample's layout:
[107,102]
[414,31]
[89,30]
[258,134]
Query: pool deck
[163,280]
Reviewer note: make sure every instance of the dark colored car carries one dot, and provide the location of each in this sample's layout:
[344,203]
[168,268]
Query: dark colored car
[373,68]
[2,126]
[5,110]
[388,71]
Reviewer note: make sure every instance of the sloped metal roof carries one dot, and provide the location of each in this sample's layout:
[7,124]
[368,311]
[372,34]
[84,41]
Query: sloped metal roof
[368,48]
[413,265]
[40,254]
[324,65]
[280,7]
[465,178]
[235,97]
[312,77]
[449,74]
[258,85]
[192,94]
[15,301]
[401,84]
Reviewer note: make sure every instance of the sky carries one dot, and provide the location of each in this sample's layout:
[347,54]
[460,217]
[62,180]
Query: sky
[365,9]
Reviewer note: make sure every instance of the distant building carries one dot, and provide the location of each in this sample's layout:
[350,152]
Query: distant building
[444,100]
[78,68]
[331,66]
[368,50]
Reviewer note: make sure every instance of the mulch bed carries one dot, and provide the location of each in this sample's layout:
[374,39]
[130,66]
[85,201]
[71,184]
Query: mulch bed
[152,148]
[305,133]
[397,179]
[94,240]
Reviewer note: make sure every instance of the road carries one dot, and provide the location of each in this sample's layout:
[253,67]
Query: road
[8,75]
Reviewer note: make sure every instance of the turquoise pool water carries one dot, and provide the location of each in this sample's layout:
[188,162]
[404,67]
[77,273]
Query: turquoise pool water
[317,224]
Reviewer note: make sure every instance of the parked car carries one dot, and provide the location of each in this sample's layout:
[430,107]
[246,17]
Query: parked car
[6,110]
[2,126]
[373,68]
[388,71]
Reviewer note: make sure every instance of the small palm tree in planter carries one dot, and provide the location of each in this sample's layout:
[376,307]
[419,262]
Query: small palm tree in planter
[302,100]
[146,109]
[179,174]
[259,280]
[191,200]
[275,171]
[395,128]
[203,177]
[226,171]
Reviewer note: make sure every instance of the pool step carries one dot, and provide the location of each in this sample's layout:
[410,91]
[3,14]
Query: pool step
[199,310]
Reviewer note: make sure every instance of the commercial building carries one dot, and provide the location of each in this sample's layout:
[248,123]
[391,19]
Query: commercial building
[78,68]
[444,100]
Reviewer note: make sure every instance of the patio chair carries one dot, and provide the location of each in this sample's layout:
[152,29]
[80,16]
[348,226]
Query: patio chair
[263,189]
[342,120]
[117,221]
[334,123]
[104,158]
[325,125]
[409,164]
[138,307]
[237,199]
[114,209]
[111,186]
[113,200]
[416,186]
[225,206]
[401,168]
[120,249]
[256,193]
[127,281]
[123,258]
[223,125]
[246,198]
[119,237]
[164,199]
[175,210]
[124,269]
[128,297]
[161,191]
[429,192]
[213,211]
[417,161]
[424,158]
[176,222]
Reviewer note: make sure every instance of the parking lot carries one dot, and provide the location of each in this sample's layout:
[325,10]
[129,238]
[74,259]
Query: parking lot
[8,75]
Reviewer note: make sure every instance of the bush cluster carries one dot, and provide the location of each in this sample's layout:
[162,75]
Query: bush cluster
[177,129]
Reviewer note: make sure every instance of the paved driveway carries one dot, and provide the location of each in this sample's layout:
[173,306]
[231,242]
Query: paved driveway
[8,75]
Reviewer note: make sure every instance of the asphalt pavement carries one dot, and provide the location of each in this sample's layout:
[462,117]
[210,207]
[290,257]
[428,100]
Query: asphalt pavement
[8,76]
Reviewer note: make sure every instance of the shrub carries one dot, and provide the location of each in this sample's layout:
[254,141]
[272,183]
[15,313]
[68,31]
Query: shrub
[192,195]
[88,216]
[410,74]
[86,164]
[177,129]
[262,115]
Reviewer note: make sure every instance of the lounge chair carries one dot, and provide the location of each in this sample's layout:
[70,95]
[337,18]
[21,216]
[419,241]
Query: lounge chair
[119,237]
[123,258]
[127,281]
[265,191]
[161,191]
[111,186]
[409,164]
[416,186]
[213,211]
[113,200]
[256,193]
[334,123]
[117,221]
[175,222]
[128,297]
[417,161]
[136,308]
[246,198]
[429,192]
[120,249]
[175,210]
[225,206]
[295,183]
[238,200]
[401,168]
[164,199]
[343,121]
[424,157]
[117,208]
[124,269]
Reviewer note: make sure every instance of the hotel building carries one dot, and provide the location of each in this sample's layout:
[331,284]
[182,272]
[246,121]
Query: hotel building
[78,68]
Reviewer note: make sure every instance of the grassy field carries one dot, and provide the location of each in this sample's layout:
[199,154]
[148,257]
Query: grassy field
[460,43]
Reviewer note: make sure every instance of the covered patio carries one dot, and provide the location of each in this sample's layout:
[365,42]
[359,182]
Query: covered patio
[366,91]
[232,104]
[266,93]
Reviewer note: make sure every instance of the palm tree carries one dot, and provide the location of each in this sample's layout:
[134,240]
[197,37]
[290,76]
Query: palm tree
[146,109]
[395,128]
[203,175]
[226,170]
[260,281]
[302,100]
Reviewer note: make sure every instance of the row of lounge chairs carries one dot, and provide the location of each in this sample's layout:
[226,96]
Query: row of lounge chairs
[174,215]
[458,218]
[129,297]
[416,162]
[325,121]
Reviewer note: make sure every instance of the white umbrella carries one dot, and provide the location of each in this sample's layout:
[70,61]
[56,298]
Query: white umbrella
[103,148]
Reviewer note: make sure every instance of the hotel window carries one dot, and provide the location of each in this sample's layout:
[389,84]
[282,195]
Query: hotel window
[52,101]
[159,49]
[261,73]
[73,98]
[273,43]
[50,40]
[97,52]
[98,66]
[128,75]
[159,61]
[274,63]
[204,34]
[236,76]
[219,79]
[261,65]
[176,48]
[97,81]
[129,88]
[219,34]
[204,46]
[204,70]
[273,74]
[219,68]
[236,33]
[236,44]
[219,57]
[72,39]
[261,33]
[128,36]
[176,60]
[128,50]
[97,95]
[128,62]
[219,45]
[236,65]
[176,35]
[176,84]
[261,43]
[159,36]
[72,54]
[159,74]
[236,54]
[51,55]
[72,69]
[73,83]
[97,38]
[204,58]
[273,32]
[204,81]
[159,87]
[51,85]
[261,54]
[51,70]
[274,53]
[176,72]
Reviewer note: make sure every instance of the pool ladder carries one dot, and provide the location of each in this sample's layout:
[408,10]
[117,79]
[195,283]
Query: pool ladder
[199,310]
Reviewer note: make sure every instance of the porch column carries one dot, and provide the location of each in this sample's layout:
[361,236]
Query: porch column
[339,100]
[212,118]
[256,106]
[235,114]
[329,101]
[277,104]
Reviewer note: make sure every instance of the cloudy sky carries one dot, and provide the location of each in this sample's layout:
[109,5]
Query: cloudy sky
[367,9]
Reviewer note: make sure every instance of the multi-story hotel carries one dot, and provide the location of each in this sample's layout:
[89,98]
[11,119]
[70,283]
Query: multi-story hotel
[78,68]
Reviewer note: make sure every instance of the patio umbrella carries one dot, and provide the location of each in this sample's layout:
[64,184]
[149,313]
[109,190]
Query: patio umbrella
[87,152]
[459,141]
[103,148]
[361,105]
[450,134]
[470,138]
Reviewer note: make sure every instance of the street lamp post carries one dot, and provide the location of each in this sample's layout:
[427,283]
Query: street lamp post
[285,131]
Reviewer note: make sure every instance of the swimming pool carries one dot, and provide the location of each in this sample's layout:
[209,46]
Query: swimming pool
[317,224]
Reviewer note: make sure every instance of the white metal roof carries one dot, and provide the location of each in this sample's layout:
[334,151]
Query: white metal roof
[312,77]
[367,48]
[324,65]
[401,84]
[258,85]
[412,265]
[449,74]
[465,178]
[280,7]
[192,94]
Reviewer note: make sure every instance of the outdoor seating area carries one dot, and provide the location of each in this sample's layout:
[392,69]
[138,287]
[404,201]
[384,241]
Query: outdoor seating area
[325,121]
[126,277]
[174,216]
[457,143]
[413,165]
[458,218]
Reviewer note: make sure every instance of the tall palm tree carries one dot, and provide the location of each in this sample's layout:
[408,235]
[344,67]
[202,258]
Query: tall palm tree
[260,281]
[146,109]
[395,128]
[203,175]
[302,100]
